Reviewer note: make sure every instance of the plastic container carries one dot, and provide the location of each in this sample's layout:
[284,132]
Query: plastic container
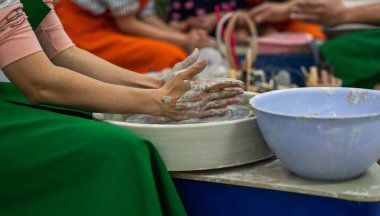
[321,133]
[284,43]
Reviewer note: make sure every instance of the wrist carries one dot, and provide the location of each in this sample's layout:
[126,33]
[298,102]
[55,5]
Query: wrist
[155,97]
[345,15]
[183,40]
[153,82]
[160,82]
[147,101]
[289,6]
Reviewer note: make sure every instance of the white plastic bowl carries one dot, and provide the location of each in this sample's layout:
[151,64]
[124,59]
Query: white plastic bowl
[322,133]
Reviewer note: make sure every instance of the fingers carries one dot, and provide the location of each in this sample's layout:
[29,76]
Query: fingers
[188,61]
[185,115]
[305,17]
[264,16]
[214,112]
[306,4]
[307,7]
[226,93]
[216,84]
[217,104]
[206,113]
[257,13]
[258,9]
[194,99]
[200,33]
[193,70]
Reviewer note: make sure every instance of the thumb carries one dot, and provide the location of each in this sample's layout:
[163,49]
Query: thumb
[193,70]
[188,61]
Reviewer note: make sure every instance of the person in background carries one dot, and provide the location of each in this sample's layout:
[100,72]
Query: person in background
[275,15]
[270,15]
[55,160]
[127,33]
[188,14]
[352,49]
[335,12]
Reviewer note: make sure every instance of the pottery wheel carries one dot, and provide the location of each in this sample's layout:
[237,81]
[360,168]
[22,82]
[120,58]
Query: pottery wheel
[235,112]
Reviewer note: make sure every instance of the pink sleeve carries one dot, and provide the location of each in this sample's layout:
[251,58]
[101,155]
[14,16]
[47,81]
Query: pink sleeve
[51,34]
[17,39]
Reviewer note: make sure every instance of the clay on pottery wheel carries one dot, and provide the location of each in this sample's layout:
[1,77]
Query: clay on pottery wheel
[235,112]
[211,143]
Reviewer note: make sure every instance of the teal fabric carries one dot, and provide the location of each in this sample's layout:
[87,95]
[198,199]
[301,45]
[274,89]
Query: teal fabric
[53,163]
[356,58]
[36,11]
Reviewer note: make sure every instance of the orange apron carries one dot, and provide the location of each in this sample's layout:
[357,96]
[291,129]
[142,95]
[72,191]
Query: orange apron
[99,35]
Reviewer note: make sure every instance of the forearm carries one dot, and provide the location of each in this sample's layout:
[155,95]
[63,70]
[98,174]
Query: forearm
[45,83]
[156,21]
[133,26]
[90,65]
[368,13]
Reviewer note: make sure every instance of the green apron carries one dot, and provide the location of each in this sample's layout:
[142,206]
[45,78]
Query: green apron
[36,11]
[355,57]
[56,161]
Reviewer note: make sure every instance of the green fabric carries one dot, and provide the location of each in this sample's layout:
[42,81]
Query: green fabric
[10,92]
[161,7]
[58,164]
[356,58]
[36,11]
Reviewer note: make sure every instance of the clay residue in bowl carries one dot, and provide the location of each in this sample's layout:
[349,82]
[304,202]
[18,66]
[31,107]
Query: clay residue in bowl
[357,97]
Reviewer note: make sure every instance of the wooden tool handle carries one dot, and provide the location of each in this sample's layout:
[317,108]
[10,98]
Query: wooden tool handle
[227,47]
[228,35]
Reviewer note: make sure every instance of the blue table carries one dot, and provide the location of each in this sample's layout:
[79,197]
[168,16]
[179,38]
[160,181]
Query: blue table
[269,189]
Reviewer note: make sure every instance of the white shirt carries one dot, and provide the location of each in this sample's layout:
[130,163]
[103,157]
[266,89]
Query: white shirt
[358,2]
[4,3]
[117,7]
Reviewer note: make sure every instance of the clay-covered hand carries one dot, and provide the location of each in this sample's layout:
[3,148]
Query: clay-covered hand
[183,98]
[181,67]
[326,12]
[271,12]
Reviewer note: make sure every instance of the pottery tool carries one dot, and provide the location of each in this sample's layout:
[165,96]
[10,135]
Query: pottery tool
[230,51]
[225,41]
[222,29]
[313,76]
[254,81]
[324,78]
[305,73]
[233,40]
[218,14]
[248,68]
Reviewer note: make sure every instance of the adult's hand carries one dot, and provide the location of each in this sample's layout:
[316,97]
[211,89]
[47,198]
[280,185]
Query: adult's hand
[183,98]
[271,12]
[326,12]
[181,67]
[198,38]
[207,22]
